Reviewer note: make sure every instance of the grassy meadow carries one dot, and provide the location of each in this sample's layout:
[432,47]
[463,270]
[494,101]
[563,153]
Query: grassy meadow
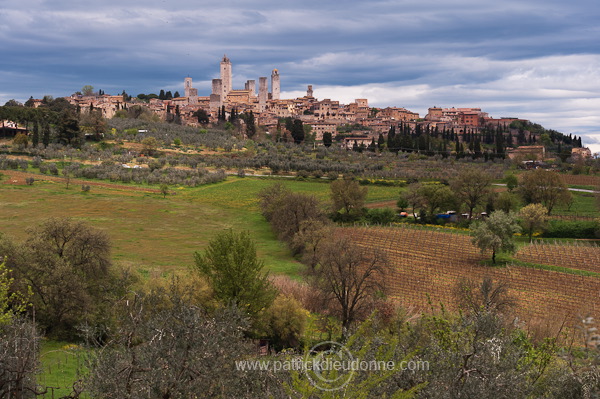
[155,235]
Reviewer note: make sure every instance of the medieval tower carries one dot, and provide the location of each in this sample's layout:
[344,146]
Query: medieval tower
[275,85]
[263,93]
[223,93]
[187,85]
[226,77]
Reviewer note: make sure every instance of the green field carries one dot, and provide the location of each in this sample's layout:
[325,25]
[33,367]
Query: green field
[155,235]
[62,363]
[584,204]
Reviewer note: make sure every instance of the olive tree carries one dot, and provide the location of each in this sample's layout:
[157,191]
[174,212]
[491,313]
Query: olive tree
[66,264]
[496,233]
[165,347]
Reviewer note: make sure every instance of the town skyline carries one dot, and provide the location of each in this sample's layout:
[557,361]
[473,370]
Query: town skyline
[533,60]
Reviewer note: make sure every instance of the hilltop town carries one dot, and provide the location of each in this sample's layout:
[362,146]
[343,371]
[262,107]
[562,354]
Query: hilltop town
[360,123]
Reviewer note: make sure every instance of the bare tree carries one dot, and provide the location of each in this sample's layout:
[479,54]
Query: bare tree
[167,348]
[66,264]
[313,233]
[348,197]
[350,275]
[286,210]
[545,187]
[472,187]
[486,296]
[534,216]
[272,197]
[19,359]
[19,343]
[413,197]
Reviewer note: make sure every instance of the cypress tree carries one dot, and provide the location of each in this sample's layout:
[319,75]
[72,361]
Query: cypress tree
[390,138]
[251,125]
[46,134]
[35,140]
[380,142]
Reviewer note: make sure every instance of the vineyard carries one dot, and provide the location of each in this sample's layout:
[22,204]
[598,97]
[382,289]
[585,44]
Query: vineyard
[578,256]
[426,264]
[581,180]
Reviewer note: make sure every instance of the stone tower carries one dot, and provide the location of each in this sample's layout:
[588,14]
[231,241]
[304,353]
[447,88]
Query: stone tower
[187,85]
[263,93]
[251,87]
[216,99]
[275,85]
[309,92]
[226,76]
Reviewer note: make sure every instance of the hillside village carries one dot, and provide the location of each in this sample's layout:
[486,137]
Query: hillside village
[351,125]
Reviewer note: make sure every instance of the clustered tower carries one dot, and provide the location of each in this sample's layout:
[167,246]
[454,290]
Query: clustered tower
[263,93]
[190,92]
[275,87]
[222,87]
[226,76]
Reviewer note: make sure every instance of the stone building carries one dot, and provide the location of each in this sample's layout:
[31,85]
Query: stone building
[275,85]
[530,152]
[226,76]
[583,152]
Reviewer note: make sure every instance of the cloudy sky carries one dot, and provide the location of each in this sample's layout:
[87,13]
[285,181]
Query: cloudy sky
[533,59]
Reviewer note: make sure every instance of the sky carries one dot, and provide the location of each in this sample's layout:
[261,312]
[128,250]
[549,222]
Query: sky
[533,59]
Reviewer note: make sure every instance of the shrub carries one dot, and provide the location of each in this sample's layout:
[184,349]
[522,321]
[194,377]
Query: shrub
[53,169]
[29,181]
[283,322]
[572,229]
[36,162]
[381,216]
[303,174]
[332,175]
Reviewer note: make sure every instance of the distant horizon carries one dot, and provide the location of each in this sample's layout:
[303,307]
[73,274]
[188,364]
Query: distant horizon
[532,59]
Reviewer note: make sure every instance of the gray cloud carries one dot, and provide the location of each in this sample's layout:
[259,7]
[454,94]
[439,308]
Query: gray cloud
[530,58]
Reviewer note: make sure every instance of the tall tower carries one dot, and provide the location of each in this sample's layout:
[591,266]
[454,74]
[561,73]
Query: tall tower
[309,92]
[216,99]
[275,85]
[187,85]
[251,87]
[263,93]
[226,76]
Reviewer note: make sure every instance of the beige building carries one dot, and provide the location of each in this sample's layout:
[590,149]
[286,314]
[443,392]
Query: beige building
[318,128]
[528,153]
[583,152]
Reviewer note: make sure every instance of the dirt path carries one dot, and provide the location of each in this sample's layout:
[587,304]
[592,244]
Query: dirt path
[382,204]
[18,178]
